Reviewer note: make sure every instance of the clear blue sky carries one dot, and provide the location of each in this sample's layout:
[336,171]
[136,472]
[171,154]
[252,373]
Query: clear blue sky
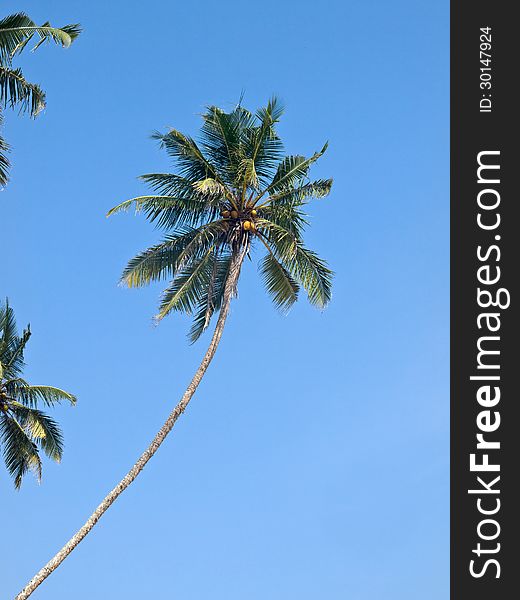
[313,461]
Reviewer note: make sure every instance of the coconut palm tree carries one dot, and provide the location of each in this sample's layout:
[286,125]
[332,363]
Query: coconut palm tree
[24,428]
[16,32]
[233,190]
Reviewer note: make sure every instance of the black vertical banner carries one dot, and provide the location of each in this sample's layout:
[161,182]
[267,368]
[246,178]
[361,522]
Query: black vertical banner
[485,337]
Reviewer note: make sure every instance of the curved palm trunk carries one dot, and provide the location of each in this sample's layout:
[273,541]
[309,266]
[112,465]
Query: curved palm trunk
[157,441]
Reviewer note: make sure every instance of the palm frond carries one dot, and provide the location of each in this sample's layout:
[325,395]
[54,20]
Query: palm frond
[222,139]
[42,430]
[167,212]
[17,30]
[13,359]
[4,161]
[247,174]
[33,395]
[193,165]
[292,170]
[212,299]
[165,259]
[263,146]
[287,216]
[284,239]
[210,188]
[304,265]
[313,274]
[301,194]
[7,326]
[271,114]
[155,263]
[169,184]
[20,452]
[11,345]
[189,287]
[15,90]
[282,288]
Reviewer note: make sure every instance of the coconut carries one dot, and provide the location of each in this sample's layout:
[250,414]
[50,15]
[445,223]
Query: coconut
[253,213]
[225,213]
[234,214]
[247,225]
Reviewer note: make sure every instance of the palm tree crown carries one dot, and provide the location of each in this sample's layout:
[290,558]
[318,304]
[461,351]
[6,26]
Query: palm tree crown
[16,32]
[233,189]
[24,429]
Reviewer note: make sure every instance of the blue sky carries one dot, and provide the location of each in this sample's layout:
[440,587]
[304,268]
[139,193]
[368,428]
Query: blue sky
[313,461]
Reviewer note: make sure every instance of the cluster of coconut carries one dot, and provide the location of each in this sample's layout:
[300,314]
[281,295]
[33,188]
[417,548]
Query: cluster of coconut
[246,218]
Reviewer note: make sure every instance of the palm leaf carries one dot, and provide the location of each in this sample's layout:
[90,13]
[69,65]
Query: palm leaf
[17,30]
[168,211]
[15,90]
[314,275]
[169,184]
[11,346]
[32,395]
[192,163]
[155,263]
[285,216]
[4,161]
[278,282]
[41,428]
[271,114]
[221,136]
[299,195]
[7,326]
[20,452]
[165,259]
[13,359]
[212,299]
[210,188]
[263,146]
[248,175]
[292,170]
[304,265]
[188,288]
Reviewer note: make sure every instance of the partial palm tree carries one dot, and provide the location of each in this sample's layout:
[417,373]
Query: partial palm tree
[16,33]
[232,191]
[24,428]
